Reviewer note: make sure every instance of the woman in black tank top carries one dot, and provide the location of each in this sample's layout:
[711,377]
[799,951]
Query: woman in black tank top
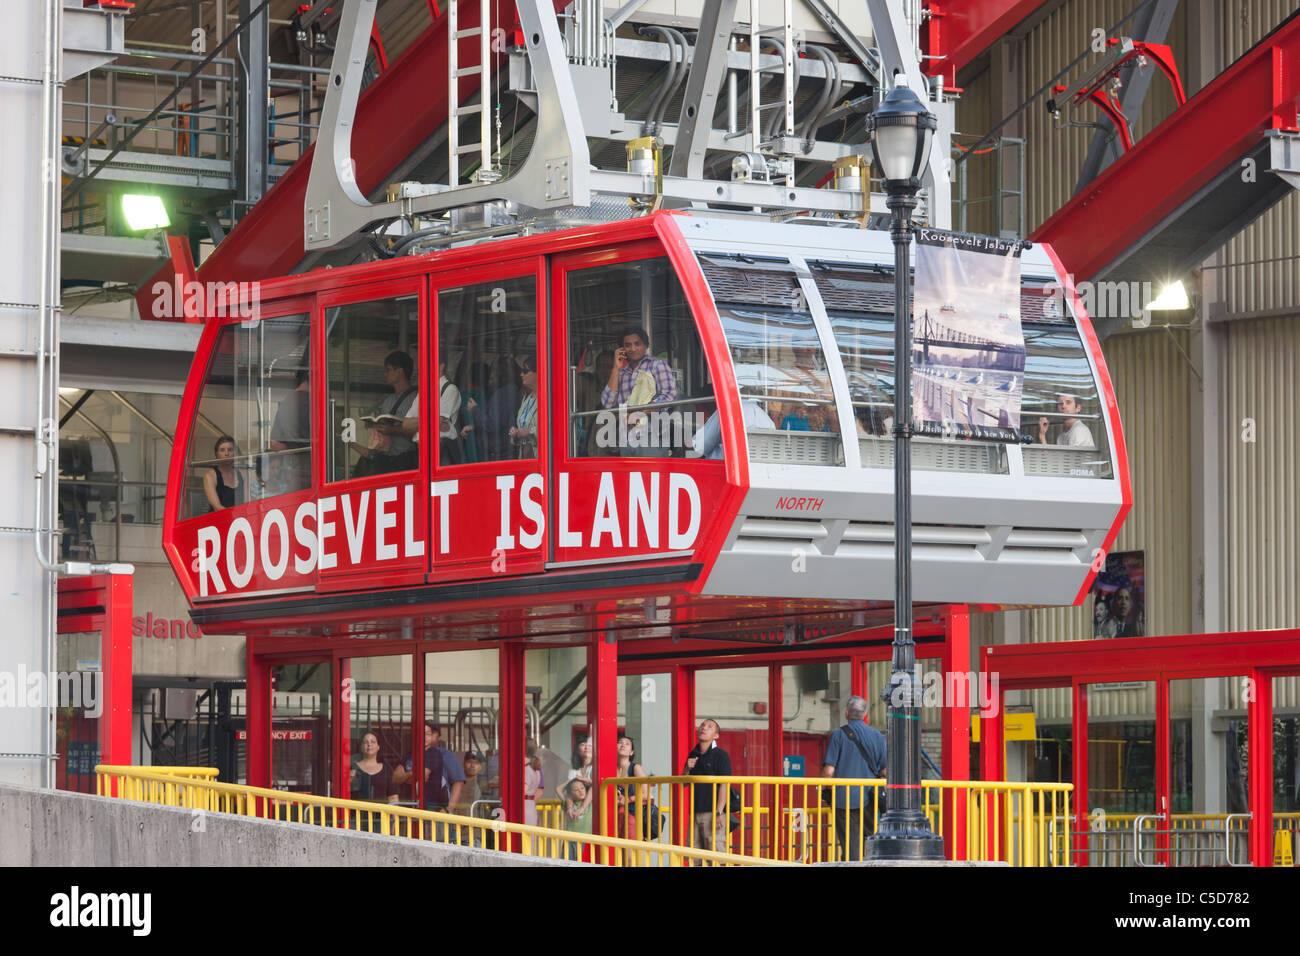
[221,485]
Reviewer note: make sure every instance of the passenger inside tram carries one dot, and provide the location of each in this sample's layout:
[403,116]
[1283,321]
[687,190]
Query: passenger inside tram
[523,434]
[708,440]
[473,386]
[389,448]
[222,485]
[1073,431]
[449,405]
[499,416]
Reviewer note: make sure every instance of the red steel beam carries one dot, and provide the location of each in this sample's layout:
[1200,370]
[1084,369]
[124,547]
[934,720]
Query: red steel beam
[397,112]
[1193,145]
[960,30]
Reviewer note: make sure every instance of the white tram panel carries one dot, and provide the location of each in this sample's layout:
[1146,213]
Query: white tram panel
[819,530]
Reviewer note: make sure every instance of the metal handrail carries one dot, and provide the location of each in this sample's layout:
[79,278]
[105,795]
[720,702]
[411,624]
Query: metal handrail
[146,785]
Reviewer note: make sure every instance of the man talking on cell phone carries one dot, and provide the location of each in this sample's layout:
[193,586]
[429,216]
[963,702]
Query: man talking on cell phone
[854,752]
[630,361]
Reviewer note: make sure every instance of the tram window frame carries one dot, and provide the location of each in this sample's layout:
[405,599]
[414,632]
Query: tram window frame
[410,291]
[1047,316]
[258,462]
[665,314]
[777,444]
[458,360]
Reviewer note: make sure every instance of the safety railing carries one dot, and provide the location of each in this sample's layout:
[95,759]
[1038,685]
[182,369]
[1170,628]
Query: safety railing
[1156,839]
[195,792]
[821,820]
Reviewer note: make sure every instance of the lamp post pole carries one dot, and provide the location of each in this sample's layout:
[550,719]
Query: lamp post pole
[904,832]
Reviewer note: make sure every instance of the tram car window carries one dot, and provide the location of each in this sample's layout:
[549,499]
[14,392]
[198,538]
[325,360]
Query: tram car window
[1061,413]
[373,379]
[785,386]
[487,343]
[252,434]
[638,382]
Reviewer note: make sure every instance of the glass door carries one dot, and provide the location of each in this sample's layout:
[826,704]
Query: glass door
[302,728]
[488,414]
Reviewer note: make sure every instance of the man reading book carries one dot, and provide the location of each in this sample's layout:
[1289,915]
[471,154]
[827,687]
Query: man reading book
[390,449]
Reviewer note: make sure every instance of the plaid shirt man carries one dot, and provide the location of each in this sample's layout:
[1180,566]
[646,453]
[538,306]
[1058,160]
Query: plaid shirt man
[665,382]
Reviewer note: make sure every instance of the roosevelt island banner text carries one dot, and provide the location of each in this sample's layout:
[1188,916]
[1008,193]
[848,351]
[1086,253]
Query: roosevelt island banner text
[968,350]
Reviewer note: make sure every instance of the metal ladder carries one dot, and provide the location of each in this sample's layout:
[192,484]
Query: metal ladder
[756,73]
[482,109]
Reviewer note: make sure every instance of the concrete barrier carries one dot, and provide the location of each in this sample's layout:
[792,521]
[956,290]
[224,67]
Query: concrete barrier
[57,828]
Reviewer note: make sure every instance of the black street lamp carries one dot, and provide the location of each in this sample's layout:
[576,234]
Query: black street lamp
[901,130]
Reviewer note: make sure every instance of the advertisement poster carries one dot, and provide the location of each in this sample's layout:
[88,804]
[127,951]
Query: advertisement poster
[1119,597]
[968,349]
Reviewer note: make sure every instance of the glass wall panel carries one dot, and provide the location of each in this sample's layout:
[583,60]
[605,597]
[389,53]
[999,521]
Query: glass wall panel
[559,747]
[487,389]
[638,381]
[1286,749]
[373,386]
[80,705]
[112,468]
[812,706]
[785,387]
[645,709]
[302,739]
[380,729]
[1208,765]
[462,698]
[1121,770]
[252,436]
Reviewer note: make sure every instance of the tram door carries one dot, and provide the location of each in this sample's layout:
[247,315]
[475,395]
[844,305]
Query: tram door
[372,509]
[488,391]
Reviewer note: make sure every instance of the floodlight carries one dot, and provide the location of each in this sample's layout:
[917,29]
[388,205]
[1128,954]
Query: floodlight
[144,212]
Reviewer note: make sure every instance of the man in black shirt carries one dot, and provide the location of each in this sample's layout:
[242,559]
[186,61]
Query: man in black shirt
[707,759]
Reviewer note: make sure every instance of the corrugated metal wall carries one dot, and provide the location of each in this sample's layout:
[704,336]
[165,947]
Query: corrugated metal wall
[1262,479]
[1262,260]
[1152,382]
[1055,156]
[974,119]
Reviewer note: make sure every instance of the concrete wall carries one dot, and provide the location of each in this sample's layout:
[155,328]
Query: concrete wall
[55,828]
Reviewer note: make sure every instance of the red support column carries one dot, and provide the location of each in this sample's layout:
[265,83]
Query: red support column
[115,657]
[955,726]
[776,768]
[417,729]
[343,727]
[1080,754]
[257,719]
[512,730]
[1259,773]
[683,740]
[1162,770]
[602,716]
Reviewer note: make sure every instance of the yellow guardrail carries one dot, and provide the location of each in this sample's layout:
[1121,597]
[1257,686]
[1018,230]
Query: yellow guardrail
[813,820]
[197,791]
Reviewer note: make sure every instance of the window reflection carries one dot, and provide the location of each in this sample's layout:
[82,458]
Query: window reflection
[785,387]
[252,438]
